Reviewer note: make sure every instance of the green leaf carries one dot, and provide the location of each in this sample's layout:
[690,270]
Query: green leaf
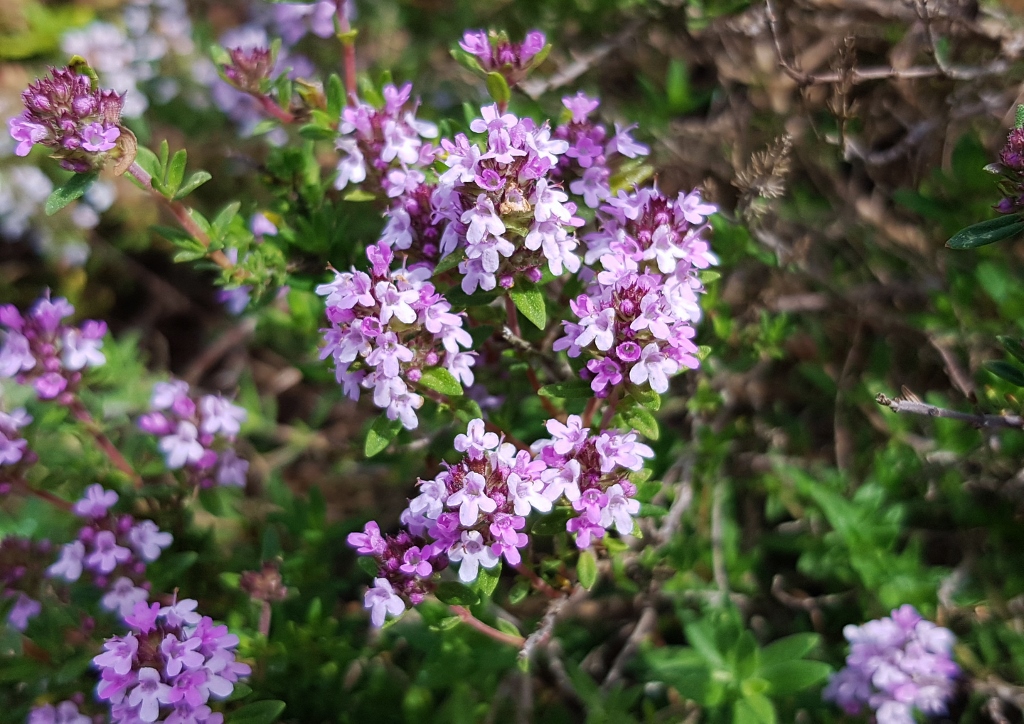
[74,188]
[790,677]
[176,172]
[497,86]
[441,380]
[519,591]
[641,420]
[529,300]
[316,133]
[148,161]
[572,390]
[552,523]
[508,627]
[223,219]
[646,397]
[586,569]
[1009,372]
[194,181]
[487,580]
[358,195]
[1018,120]
[1013,346]
[165,152]
[753,709]
[786,649]
[259,712]
[368,565]
[447,623]
[707,276]
[449,262]
[456,594]
[335,92]
[381,433]
[239,692]
[987,232]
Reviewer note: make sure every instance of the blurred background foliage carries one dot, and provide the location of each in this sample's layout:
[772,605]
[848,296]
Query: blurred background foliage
[845,141]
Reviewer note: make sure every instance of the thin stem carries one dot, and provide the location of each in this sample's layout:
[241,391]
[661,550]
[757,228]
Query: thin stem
[590,410]
[914,407]
[274,109]
[537,582]
[473,622]
[103,442]
[181,214]
[264,625]
[611,405]
[488,425]
[24,488]
[718,542]
[513,327]
[348,45]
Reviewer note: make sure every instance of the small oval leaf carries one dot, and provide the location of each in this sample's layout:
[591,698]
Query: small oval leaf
[987,232]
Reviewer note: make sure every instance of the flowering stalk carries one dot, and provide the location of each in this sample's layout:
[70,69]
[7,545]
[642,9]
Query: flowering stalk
[180,213]
[103,442]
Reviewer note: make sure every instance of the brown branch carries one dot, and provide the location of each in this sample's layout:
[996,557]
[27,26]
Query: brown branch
[914,407]
[221,346]
[26,489]
[855,76]
[644,626]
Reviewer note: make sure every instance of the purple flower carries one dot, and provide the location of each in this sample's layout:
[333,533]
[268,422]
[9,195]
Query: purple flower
[414,562]
[580,106]
[123,596]
[381,600]
[149,694]
[69,565]
[95,503]
[369,541]
[96,138]
[26,132]
[180,654]
[220,416]
[896,665]
[119,654]
[473,553]
[182,447]
[148,540]
[107,554]
[476,441]
[24,608]
[472,499]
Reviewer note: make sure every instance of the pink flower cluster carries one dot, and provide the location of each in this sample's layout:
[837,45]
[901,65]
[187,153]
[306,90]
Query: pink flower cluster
[592,157]
[474,512]
[42,349]
[20,576]
[636,319]
[168,667]
[896,665]
[384,144]
[495,53]
[387,327]
[13,447]
[113,548]
[197,434]
[79,124]
[502,209]
[591,472]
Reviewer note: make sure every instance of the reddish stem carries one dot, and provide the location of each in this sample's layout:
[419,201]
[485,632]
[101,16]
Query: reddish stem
[274,109]
[348,51]
[180,213]
[264,625]
[473,622]
[537,582]
[513,324]
[46,495]
[590,410]
[103,442]
[611,405]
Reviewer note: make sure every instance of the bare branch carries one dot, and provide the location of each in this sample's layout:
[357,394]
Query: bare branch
[914,407]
